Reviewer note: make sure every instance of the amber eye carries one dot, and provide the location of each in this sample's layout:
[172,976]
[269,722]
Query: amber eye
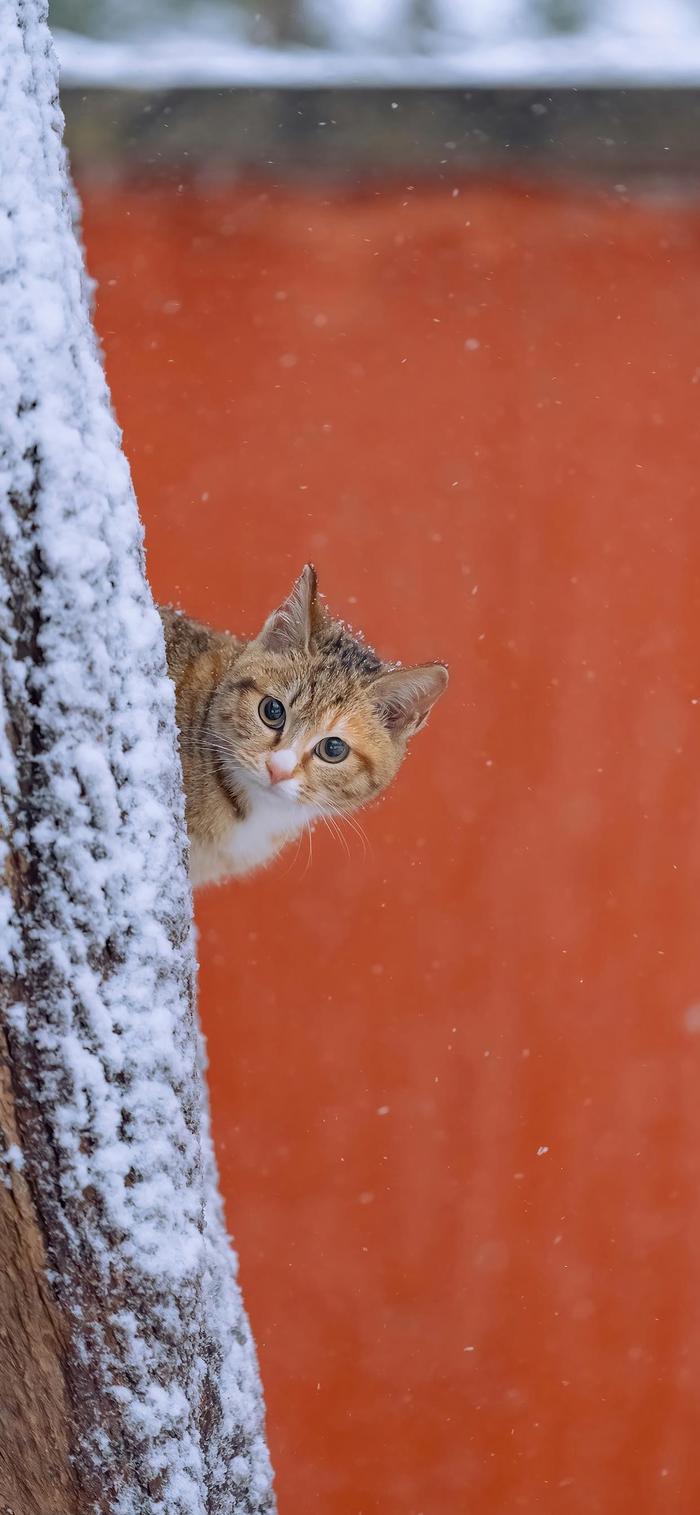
[332,749]
[272,712]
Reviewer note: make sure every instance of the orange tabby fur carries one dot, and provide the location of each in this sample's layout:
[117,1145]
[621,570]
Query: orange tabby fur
[251,789]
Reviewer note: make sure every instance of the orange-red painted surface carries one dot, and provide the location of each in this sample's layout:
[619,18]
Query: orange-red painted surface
[456,1082]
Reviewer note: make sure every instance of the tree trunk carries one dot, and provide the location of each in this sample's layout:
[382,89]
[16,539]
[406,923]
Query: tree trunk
[128,1379]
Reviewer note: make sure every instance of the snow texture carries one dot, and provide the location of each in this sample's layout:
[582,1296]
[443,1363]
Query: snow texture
[96,946]
[372,42]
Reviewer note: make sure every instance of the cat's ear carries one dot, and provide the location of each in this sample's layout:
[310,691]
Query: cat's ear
[289,627]
[404,697]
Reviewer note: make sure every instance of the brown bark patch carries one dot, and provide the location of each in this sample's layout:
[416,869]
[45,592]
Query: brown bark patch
[36,1476]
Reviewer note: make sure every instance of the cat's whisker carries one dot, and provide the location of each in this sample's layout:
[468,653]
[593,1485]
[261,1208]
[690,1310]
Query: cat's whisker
[296,856]
[336,832]
[226,749]
[359,831]
[307,829]
[355,827]
[212,746]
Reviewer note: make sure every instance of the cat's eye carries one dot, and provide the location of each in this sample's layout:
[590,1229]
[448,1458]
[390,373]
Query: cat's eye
[332,749]
[272,712]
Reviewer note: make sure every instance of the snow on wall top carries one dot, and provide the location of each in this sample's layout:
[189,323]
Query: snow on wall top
[98,937]
[371,42]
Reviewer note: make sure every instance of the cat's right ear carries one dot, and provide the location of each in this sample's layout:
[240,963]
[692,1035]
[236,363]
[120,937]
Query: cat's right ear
[404,697]
[289,627]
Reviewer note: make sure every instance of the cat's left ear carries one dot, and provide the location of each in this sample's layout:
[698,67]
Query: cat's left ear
[289,627]
[404,697]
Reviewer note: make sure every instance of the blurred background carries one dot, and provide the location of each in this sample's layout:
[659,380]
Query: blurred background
[412,288]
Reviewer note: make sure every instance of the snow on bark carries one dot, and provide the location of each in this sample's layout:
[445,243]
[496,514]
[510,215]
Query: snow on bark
[96,954]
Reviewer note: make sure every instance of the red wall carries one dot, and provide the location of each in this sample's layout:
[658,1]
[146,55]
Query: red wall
[455,1080]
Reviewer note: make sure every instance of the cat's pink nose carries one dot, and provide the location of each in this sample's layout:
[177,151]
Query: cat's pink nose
[281,764]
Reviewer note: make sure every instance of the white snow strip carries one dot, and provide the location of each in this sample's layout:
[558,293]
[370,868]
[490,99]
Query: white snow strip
[603,54]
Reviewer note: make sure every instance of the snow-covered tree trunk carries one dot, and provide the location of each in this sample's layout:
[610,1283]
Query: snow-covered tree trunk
[128,1379]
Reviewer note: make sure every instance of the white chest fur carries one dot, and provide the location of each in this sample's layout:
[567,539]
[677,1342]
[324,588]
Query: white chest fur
[272,821]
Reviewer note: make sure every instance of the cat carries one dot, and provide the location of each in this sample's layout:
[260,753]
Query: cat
[302,721]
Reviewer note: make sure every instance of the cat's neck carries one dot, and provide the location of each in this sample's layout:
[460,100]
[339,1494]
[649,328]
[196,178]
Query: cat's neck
[254,836]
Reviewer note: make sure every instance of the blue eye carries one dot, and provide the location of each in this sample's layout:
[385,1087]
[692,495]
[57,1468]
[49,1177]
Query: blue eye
[332,749]
[272,712]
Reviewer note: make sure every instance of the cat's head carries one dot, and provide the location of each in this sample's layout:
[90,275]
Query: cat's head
[310,714]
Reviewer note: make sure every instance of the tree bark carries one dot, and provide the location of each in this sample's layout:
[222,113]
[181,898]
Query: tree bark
[128,1378]
[35,1467]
